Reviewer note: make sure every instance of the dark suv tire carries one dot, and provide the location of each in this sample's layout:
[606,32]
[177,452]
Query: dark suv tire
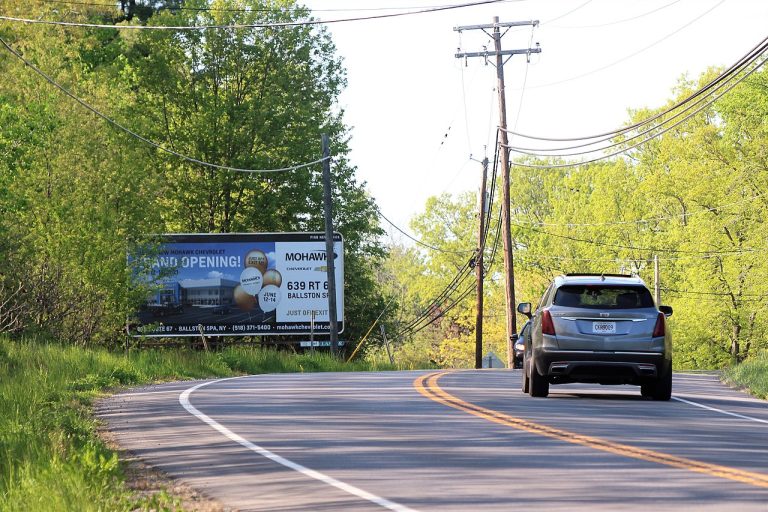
[526,384]
[538,385]
[660,389]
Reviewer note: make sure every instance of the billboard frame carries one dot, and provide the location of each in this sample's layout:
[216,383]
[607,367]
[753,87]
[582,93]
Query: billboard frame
[172,301]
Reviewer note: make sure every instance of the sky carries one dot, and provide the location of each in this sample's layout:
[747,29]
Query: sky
[422,119]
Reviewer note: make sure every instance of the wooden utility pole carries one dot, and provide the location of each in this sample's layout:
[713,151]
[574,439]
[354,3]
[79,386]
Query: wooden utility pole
[479,270]
[329,256]
[509,269]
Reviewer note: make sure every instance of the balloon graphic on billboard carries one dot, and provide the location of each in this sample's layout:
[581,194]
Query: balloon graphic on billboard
[262,285]
[251,279]
[269,298]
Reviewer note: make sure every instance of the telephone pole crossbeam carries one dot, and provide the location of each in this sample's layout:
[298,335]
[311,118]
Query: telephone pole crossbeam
[502,52]
[505,24]
[509,269]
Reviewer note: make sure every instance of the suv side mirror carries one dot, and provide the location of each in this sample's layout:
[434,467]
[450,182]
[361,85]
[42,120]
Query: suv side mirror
[524,308]
[514,337]
[667,310]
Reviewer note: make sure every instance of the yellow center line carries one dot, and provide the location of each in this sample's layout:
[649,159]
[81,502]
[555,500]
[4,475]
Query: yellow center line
[427,385]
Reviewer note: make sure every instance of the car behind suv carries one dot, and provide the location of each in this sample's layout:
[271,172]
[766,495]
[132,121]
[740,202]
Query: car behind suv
[602,329]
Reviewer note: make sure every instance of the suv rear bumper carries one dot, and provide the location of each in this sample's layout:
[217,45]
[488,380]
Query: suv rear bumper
[561,366]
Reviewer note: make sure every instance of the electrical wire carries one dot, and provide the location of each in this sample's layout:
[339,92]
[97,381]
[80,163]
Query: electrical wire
[418,324]
[285,24]
[282,9]
[717,294]
[616,22]
[360,344]
[426,315]
[419,242]
[634,54]
[723,81]
[525,256]
[629,247]
[644,221]
[681,296]
[750,56]
[142,138]
[567,13]
[445,311]
[647,139]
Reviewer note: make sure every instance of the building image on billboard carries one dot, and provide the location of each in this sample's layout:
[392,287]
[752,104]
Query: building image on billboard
[208,292]
[241,284]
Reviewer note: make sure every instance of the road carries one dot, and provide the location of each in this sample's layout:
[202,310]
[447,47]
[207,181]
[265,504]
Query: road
[453,441]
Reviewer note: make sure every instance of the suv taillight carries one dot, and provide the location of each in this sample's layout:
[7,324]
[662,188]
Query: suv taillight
[658,330]
[547,327]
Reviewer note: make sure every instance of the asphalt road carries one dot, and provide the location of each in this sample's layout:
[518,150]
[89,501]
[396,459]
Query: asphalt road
[458,441]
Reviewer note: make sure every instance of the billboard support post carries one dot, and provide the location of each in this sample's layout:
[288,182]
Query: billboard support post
[327,210]
[202,335]
[312,331]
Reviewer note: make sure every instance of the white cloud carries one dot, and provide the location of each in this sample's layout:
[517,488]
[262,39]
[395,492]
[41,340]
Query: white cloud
[215,274]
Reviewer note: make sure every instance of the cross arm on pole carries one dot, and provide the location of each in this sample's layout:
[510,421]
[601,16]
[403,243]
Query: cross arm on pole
[500,24]
[526,51]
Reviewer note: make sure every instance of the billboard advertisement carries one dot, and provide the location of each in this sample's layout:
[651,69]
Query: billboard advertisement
[241,284]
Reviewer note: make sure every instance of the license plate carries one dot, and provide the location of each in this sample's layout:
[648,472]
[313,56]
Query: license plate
[604,327]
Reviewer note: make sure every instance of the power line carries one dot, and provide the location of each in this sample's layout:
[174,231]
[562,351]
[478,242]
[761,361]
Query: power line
[698,298]
[285,24]
[445,311]
[647,139]
[747,58]
[460,277]
[631,259]
[419,242]
[718,294]
[714,86]
[567,13]
[644,221]
[617,22]
[629,247]
[418,324]
[142,138]
[279,9]
[634,54]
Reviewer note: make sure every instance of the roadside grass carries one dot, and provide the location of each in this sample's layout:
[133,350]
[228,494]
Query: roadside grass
[751,374]
[51,458]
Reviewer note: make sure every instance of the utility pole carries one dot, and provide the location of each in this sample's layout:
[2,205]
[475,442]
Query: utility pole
[479,269]
[329,256]
[509,269]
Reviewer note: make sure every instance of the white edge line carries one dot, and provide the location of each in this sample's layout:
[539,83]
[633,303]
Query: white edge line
[714,409]
[382,502]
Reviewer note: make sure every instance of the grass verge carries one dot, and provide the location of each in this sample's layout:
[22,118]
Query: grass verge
[751,374]
[51,458]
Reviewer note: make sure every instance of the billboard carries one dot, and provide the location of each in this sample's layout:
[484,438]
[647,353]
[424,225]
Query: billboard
[241,284]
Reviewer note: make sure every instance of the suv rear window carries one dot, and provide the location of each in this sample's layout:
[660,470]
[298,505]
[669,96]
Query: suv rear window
[600,296]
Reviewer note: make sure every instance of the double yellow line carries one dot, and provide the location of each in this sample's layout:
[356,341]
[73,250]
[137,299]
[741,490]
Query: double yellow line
[427,385]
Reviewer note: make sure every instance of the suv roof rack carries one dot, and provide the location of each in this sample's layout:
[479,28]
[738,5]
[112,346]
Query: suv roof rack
[598,275]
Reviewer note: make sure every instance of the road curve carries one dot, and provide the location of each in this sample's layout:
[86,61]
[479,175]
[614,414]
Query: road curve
[454,441]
